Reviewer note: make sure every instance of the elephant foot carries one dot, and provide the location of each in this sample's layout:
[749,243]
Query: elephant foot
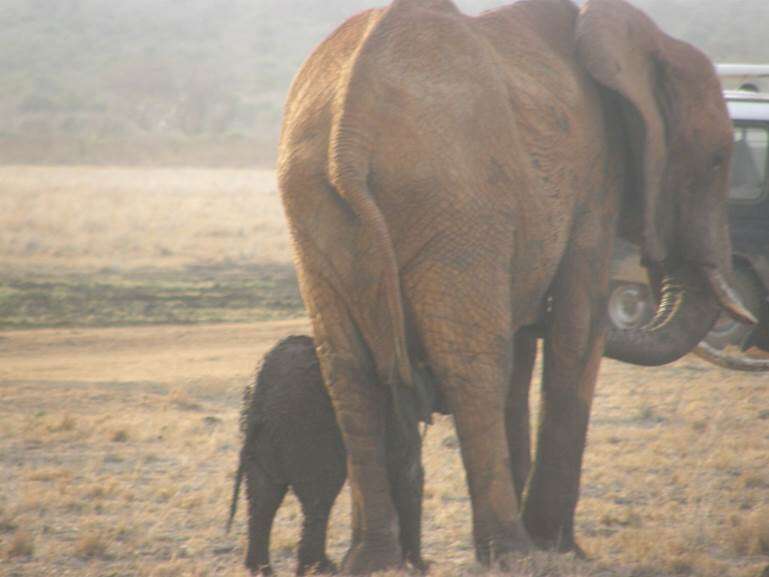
[364,558]
[549,533]
[562,544]
[262,570]
[323,567]
[498,550]
[420,565]
[576,550]
[565,547]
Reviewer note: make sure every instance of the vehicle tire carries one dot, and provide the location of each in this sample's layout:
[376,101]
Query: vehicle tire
[630,305]
[729,332]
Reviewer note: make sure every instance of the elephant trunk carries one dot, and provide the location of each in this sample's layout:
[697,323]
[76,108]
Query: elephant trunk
[690,302]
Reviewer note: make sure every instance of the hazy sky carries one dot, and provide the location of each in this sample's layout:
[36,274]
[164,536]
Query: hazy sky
[122,69]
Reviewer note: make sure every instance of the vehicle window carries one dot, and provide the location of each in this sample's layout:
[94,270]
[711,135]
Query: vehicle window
[748,177]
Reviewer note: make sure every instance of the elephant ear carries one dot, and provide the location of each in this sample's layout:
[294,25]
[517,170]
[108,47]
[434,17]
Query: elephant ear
[622,49]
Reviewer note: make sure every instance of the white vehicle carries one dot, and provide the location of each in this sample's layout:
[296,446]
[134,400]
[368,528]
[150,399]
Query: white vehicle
[744,77]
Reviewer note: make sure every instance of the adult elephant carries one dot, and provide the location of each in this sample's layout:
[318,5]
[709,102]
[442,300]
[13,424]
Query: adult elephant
[449,180]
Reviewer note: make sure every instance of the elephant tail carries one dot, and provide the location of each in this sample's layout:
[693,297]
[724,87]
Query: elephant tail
[236,488]
[382,323]
[392,360]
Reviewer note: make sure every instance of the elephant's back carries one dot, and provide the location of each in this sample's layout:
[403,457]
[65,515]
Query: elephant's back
[289,386]
[289,397]
[289,422]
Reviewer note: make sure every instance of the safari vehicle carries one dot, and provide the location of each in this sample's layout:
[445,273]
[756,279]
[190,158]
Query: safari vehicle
[631,302]
[745,77]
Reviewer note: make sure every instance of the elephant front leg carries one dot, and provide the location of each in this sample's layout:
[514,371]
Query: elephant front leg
[517,412]
[572,353]
[404,455]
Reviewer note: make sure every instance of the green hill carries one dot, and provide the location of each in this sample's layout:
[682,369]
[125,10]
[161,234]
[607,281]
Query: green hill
[203,81]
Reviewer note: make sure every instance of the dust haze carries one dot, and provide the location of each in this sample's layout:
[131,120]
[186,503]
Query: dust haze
[145,266]
[202,82]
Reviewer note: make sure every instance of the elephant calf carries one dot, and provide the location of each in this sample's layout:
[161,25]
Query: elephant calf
[291,440]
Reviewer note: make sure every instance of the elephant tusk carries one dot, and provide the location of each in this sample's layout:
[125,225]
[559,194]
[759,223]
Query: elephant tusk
[728,298]
[721,359]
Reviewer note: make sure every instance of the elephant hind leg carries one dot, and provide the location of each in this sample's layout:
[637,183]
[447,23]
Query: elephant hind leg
[360,405]
[471,355]
[264,498]
[480,424]
[406,474]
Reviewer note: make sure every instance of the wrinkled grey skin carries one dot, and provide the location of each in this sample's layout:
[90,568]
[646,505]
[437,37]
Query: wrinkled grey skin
[446,178]
[291,439]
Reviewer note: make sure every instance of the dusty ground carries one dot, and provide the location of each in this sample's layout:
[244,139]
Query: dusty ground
[118,444]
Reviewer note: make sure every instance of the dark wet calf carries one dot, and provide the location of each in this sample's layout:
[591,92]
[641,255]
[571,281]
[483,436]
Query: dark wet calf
[291,439]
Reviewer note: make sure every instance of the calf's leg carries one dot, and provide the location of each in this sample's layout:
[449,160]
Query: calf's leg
[264,498]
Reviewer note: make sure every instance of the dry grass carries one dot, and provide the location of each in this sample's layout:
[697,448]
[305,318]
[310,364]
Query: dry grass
[120,436]
[118,445]
[92,544]
[749,534]
[22,544]
[136,482]
[90,218]
[118,247]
